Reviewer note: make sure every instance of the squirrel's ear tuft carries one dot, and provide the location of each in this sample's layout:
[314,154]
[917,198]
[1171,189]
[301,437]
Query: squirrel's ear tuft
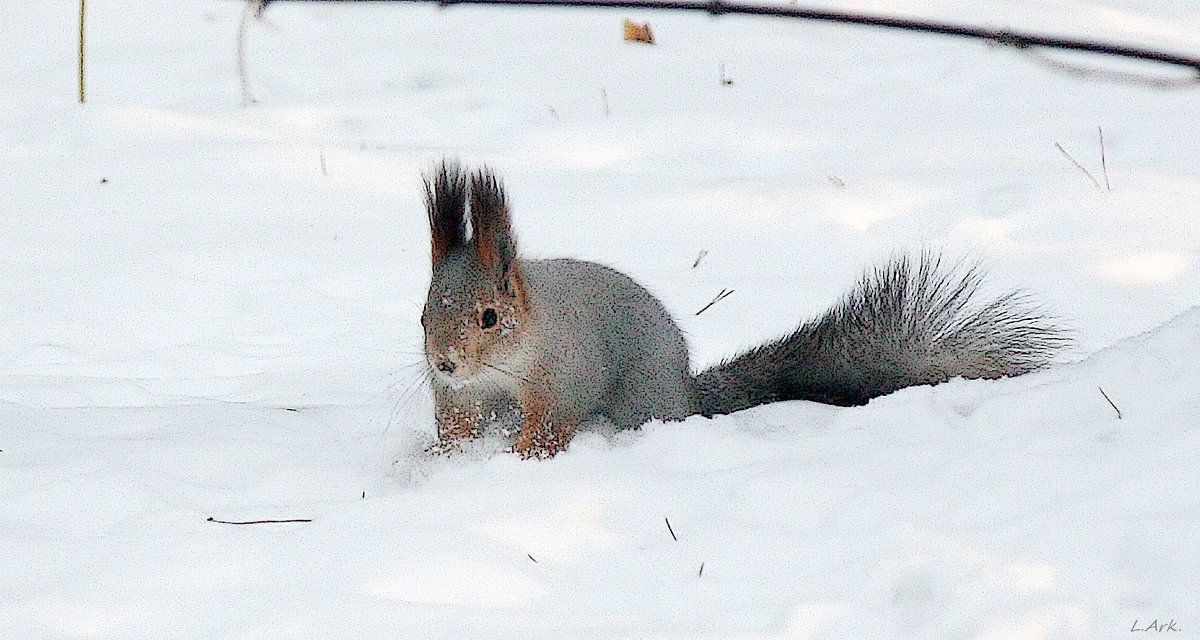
[491,227]
[446,205]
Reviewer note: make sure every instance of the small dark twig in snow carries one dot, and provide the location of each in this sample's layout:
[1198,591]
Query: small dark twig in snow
[530,556]
[254,9]
[1110,402]
[258,521]
[251,9]
[1103,160]
[1080,167]
[670,529]
[701,574]
[720,296]
[703,252]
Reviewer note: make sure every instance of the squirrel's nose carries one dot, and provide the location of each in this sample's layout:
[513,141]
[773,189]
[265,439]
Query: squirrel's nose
[446,366]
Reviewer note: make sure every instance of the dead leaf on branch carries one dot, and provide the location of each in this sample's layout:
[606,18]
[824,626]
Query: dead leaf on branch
[638,32]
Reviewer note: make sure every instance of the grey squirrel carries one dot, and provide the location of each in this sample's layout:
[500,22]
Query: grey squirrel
[559,341]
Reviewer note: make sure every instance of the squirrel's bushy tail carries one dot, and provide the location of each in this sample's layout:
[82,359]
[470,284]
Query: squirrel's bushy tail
[904,324]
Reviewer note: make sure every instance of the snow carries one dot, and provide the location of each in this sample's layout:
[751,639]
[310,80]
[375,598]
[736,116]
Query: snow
[204,320]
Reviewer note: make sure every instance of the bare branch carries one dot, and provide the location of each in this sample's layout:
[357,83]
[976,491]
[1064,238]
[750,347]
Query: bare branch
[1017,39]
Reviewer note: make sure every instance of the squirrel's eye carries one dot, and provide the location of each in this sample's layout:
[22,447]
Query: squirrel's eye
[488,319]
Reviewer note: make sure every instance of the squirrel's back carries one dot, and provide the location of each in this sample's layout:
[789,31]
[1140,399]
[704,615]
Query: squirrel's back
[610,344]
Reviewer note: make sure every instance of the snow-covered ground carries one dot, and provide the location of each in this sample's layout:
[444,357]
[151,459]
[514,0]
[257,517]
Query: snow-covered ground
[210,310]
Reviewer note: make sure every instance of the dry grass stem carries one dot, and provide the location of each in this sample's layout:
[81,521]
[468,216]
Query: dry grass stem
[1110,402]
[725,293]
[1103,161]
[82,21]
[1080,167]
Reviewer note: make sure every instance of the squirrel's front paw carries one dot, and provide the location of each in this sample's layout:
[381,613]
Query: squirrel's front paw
[541,443]
[460,424]
[451,435]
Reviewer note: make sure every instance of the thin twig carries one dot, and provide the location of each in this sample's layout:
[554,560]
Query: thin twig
[1016,39]
[1103,160]
[258,521]
[530,556]
[253,8]
[670,529]
[1110,402]
[701,574]
[703,252]
[720,296]
[82,14]
[1080,167]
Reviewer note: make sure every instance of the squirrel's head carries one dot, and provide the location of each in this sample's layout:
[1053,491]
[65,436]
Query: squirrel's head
[474,316]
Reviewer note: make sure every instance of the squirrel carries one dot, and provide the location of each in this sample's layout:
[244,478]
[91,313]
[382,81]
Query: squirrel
[559,341]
